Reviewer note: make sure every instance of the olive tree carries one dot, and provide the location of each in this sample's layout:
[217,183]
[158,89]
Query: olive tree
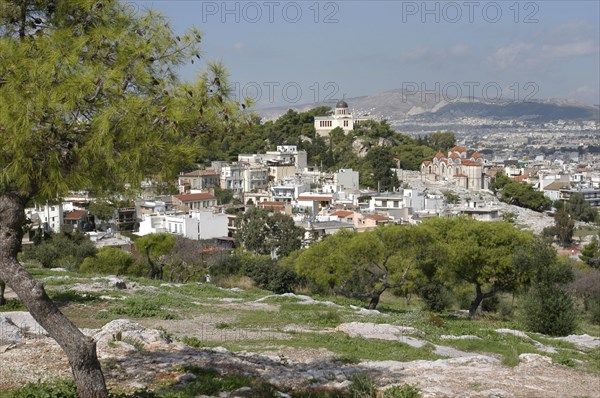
[90,100]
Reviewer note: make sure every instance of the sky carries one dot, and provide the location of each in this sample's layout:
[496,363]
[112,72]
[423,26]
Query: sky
[295,52]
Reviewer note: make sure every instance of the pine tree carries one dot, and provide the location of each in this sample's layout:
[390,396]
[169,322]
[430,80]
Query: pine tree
[90,100]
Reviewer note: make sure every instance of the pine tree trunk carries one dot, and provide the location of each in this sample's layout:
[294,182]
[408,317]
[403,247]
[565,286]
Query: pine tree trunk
[475,303]
[80,350]
[2,288]
[374,301]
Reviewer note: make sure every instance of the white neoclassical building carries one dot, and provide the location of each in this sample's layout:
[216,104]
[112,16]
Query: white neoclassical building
[341,118]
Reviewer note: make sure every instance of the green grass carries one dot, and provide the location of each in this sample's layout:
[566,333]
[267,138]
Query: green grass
[71,297]
[347,349]
[12,305]
[310,315]
[139,308]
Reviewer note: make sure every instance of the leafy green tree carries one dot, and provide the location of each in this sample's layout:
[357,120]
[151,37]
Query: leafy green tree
[580,209]
[548,307]
[521,194]
[382,163]
[590,254]
[90,100]
[264,234]
[103,210]
[224,196]
[564,227]
[442,141]
[153,247]
[481,254]
[451,197]
[362,265]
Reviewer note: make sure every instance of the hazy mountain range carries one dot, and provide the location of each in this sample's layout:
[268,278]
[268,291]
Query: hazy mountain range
[408,108]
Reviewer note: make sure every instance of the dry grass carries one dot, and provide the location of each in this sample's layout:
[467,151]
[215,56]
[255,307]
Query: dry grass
[241,282]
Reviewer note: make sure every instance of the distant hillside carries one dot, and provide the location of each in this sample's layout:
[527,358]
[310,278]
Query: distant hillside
[396,106]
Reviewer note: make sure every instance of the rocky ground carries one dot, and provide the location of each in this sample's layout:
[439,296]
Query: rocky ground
[135,356]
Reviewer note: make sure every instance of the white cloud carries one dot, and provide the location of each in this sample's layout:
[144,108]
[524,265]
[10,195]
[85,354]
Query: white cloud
[585,94]
[458,49]
[530,56]
[580,48]
[508,56]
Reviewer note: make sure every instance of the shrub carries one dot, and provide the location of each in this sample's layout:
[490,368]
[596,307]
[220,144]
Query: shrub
[490,304]
[110,261]
[505,310]
[437,298]
[594,309]
[61,250]
[267,274]
[463,295]
[549,310]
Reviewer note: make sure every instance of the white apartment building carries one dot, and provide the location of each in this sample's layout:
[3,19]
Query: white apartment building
[197,225]
[48,217]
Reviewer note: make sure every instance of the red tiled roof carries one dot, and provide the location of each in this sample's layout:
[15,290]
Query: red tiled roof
[272,205]
[427,162]
[454,156]
[476,155]
[467,162]
[315,198]
[439,155]
[520,178]
[75,215]
[458,149]
[342,213]
[192,197]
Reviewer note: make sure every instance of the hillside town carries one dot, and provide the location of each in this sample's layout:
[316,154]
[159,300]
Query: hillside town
[321,202]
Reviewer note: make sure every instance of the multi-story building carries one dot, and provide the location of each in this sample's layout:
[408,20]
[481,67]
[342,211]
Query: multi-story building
[232,177]
[194,201]
[288,190]
[48,218]
[285,155]
[198,180]
[256,177]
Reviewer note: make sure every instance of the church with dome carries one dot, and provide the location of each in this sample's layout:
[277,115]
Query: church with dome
[341,118]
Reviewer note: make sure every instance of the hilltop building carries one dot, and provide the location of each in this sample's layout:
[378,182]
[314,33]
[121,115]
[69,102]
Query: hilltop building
[341,118]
